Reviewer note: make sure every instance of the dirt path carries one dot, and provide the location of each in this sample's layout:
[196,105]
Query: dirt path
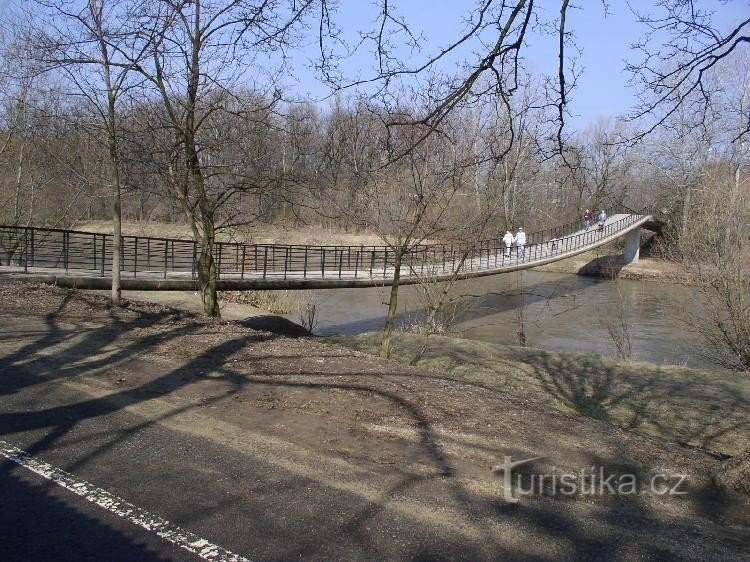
[190,301]
[358,457]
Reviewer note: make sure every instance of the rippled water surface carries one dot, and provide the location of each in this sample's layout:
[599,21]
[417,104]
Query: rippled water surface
[561,312]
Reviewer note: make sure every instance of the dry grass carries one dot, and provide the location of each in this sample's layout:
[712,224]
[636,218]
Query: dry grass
[262,234]
[702,408]
[276,302]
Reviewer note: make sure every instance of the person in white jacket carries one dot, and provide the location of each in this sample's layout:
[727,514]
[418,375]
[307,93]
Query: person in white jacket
[602,219]
[508,242]
[520,243]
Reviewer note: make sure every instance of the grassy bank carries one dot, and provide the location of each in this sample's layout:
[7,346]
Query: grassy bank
[702,408]
[598,264]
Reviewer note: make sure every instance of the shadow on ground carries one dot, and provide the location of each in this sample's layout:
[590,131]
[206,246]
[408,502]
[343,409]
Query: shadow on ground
[627,527]
[44,527]
[700,408]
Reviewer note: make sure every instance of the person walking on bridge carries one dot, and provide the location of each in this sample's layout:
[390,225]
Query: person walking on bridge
[588,219]
[602,219]
[508,240]
[520,243]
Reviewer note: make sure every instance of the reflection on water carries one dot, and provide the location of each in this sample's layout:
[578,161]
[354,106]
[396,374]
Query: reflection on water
[561,312]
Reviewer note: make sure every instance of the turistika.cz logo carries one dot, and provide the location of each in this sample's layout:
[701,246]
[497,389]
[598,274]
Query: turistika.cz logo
[590,481]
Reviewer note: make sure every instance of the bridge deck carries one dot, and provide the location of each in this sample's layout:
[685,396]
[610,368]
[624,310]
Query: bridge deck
[169,264]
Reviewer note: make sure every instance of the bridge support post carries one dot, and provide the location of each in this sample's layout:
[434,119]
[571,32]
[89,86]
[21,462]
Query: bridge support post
[632,246]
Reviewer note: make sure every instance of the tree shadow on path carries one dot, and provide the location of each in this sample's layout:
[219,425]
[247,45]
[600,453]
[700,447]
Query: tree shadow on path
[41,362]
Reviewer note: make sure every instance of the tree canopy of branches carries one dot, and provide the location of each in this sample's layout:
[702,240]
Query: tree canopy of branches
[681,47]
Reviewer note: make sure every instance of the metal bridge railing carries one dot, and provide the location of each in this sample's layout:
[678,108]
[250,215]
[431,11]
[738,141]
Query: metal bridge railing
[88,253]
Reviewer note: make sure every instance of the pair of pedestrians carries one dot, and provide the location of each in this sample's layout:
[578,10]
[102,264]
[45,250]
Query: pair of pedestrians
[519,239]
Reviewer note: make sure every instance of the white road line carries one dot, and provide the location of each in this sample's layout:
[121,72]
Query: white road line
[163,528]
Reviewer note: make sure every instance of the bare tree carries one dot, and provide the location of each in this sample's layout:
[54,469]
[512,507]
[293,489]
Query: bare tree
[718,261]
[680,152]
[15,146]
[407,204]
[681,47]
[45,145]
[615,321]
[90,44]
[200,53]
[441,305]
[606,164]
[707,164]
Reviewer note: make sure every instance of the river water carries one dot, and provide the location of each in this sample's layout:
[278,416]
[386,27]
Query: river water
[561,312]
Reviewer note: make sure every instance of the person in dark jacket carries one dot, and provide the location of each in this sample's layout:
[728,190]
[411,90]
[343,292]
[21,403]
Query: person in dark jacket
[588,219]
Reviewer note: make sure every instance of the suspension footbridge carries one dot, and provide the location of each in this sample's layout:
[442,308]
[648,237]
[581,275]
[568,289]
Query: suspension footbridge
[78,259]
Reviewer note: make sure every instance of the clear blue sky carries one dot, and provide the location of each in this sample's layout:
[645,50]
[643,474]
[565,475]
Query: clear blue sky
[605,43]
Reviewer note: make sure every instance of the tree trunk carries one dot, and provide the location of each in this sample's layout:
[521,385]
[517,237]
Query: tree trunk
[205,233]
[114,154]
[685,213]
[114,161]
[521,311]
[207,282]
[116,241]
[19,178]
[385,342]
[207,269]
[422,349]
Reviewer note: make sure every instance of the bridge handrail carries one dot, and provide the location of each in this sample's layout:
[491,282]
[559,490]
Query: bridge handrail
[532,237]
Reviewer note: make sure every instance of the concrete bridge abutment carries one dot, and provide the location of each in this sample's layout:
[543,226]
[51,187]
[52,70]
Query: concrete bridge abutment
[632,246]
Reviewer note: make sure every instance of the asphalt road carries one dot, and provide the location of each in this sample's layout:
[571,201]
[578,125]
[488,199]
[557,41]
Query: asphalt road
[237,501]
[42,521]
